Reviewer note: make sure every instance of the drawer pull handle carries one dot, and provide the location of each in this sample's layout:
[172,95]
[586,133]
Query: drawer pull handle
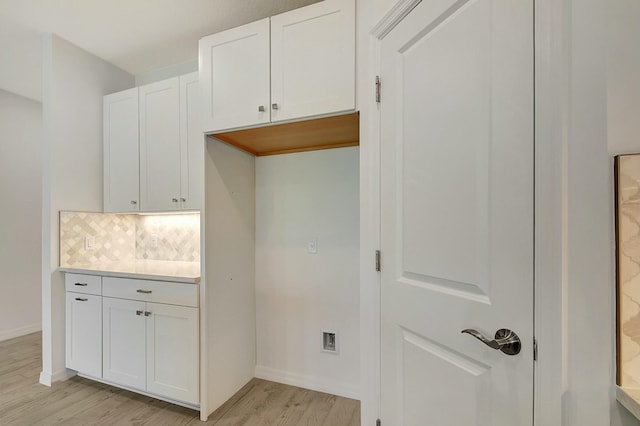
[81,284]
[81,300]
[144,291]
[147,313]
[139,312]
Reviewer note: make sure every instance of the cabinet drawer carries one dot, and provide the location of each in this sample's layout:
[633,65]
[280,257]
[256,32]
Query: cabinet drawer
[151,291]
[87,284]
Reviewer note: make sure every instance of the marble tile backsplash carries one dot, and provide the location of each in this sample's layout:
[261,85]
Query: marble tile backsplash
[168,237]
[629,269]
[174,237]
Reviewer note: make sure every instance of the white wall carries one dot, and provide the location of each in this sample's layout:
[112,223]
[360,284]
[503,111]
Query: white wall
[74,82]
[175,70]
[623,108]
[299,197]
[21,59]
[20,190]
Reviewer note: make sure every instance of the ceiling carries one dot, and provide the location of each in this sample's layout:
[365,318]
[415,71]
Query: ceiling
[138,36]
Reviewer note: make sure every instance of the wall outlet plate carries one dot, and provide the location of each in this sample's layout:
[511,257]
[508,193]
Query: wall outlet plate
[89,243]
[312,245]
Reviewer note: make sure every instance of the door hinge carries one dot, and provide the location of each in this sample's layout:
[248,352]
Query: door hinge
[378,422]
[378,86]
[535,349]
[377,260]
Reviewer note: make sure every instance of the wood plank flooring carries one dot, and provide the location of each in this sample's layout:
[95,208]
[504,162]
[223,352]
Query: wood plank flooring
[78,401]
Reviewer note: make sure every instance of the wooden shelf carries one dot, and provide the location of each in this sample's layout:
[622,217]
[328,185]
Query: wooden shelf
[321,133]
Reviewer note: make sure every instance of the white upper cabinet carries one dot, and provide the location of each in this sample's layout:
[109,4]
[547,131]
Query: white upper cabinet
[120,142]
[296,65]
[160,145]
[154,147]
[234,74]
[191,144]
[313,60]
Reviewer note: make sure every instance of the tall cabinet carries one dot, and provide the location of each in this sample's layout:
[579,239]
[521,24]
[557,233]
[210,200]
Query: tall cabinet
[154,147]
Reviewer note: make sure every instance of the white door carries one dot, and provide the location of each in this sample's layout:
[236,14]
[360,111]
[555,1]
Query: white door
[313,60]
[123,342]
[120,144]
[191,144]
[84,333]
[457,213]
[172,352]
[234,77]
[160,145]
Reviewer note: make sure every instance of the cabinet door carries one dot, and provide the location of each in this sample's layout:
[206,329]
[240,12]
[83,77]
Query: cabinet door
[121,154]
[191,144]
[84,333]
[172,352]
[123,342]
[160,145]
[234,77]
[313,60]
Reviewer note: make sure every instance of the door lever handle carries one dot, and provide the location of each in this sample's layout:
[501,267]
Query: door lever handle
[505,340]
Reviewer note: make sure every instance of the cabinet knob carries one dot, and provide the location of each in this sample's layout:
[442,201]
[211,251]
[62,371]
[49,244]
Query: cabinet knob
[134,202]
[81,284]
[274,106]
[139,312]
[81,300]
[184,200]
[260,108]
[143,291]
[175,200]
[147,313]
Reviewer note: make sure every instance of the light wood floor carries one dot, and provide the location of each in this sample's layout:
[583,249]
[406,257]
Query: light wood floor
[78,401]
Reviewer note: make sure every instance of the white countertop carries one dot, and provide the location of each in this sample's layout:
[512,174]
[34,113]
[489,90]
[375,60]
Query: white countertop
[159,270]
[630,399]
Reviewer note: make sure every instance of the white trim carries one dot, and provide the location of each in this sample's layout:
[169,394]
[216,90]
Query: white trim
[395,15]
[308,382]
[20,331]
[45,379]
[551,139]
[48,379]
[368,67]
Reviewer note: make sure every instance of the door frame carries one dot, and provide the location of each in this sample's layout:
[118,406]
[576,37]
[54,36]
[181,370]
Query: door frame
[551,38]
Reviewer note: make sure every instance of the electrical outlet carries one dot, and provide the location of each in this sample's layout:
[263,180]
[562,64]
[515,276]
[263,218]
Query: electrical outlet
[154,240]
[89,243]
[312,246]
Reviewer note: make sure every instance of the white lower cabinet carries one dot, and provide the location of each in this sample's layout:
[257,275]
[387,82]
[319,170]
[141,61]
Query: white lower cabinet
[132,340]
[84,331]
[123,342]
[151,347]
[172,351]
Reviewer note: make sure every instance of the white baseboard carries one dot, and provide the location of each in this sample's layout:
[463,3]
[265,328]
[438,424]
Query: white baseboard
[48,379]
[20,331]
[45,379]
[308,382]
